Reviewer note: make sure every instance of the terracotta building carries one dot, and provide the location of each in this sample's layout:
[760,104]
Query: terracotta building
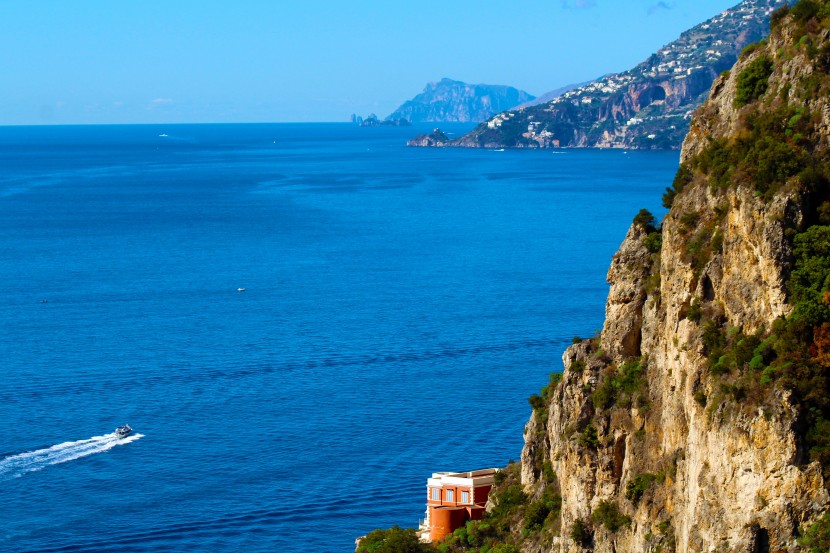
[453,498]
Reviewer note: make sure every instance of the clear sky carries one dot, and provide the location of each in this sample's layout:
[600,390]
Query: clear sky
[190,61]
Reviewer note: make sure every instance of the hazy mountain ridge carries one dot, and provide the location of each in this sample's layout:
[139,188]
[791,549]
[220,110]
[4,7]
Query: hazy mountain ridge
[555,93]
[449,101]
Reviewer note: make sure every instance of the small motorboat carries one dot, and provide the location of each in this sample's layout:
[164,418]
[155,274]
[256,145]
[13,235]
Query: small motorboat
[123,431]
[240,289]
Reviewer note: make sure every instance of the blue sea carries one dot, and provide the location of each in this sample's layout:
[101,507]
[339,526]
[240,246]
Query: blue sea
[399,307]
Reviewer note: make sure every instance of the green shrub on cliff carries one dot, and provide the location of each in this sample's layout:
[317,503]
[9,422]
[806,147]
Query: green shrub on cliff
[816,538]
[805,10]
[581,533]
[810,279]
[589,438]
[503,548]
[645,220]
[622,386]
[682,178]
[608,514]
[653,241]
[393,540]
[753,81]
[694,313]
[638,485]
[773,162]
[778,16]
[773,146]
[543,511]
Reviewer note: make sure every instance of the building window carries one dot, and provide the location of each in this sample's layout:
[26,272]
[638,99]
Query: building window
[465,497]
[436,494]
[450,495]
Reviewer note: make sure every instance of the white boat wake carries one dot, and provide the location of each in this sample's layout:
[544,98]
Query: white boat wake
[15,466]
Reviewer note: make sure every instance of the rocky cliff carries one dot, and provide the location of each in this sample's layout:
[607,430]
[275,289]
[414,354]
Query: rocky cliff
[646,107]
[454,101]
[436,139]
[696,421]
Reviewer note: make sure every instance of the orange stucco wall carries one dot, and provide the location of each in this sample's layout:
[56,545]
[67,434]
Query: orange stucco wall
[444,520]
[480,495]
[447,516]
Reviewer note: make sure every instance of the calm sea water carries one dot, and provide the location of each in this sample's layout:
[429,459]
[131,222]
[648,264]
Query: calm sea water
[400,305]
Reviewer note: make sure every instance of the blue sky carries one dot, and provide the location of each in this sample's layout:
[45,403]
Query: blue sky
[191,61]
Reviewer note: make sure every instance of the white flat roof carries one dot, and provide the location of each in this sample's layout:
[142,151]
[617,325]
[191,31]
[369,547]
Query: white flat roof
[470,478]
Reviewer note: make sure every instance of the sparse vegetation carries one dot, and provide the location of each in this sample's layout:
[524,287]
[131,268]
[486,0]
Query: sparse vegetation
[581,533]
[816,538]
[804,10]
[778,16]
[753,81]
[589,437]
[749,48]
[638,485]
[623,385]
[539,403]
[393,540]
[694,313]
[541,512]
[771,148]
[794,354]
[608,515]
[682,178]
[653,241]
[645,220]
[667,531]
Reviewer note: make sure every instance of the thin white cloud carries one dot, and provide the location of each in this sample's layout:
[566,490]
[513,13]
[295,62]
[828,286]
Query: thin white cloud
[159,104]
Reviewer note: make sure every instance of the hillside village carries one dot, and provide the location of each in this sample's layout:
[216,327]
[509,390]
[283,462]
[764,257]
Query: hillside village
[647,107]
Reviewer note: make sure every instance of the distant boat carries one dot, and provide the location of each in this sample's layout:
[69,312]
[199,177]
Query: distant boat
[163,135]
[240,289]
[499,150]
[123,431]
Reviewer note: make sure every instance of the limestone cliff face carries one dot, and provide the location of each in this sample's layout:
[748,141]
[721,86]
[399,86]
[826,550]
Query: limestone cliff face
[691,470]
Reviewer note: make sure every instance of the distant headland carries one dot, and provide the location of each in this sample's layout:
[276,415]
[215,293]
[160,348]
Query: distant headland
[648,107]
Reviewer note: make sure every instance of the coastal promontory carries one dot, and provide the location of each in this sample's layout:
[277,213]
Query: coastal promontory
[698,418]
[646,107]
